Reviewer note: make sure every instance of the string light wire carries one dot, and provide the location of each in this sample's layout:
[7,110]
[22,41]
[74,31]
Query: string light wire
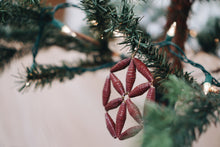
[53,21]
[182,56]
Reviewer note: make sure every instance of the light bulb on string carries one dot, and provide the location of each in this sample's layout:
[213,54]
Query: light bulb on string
[171,31]
[117,33]
[67,30]
[93,22]
[206,87]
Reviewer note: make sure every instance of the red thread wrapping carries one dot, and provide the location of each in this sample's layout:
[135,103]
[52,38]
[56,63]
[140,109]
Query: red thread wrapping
[134,111]
[120,119]
[131,76]
[151,94]
[117,84]
[110,125]
[139,90]
[120,65]
[142,68]
[130,132]
[106,91]
[113,104]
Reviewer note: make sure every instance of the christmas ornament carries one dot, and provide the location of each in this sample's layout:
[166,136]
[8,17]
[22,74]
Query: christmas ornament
[124,104]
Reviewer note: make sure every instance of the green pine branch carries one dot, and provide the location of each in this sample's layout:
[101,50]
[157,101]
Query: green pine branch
[19,15]
[109,19]
[27,3]
[51,36]
[157,126]
[187,116]
[98,15]
[42,75]
[124,21]
[26,37]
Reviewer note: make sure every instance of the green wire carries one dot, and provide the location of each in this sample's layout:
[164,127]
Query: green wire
[64,5]
[42,24]
[182,56]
